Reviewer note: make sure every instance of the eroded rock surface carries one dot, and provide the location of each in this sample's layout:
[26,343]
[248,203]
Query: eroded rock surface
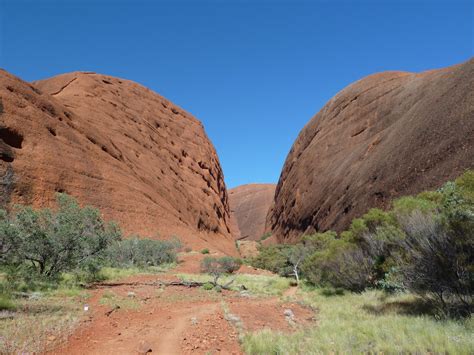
[387,135]
[249,205]
[116,145]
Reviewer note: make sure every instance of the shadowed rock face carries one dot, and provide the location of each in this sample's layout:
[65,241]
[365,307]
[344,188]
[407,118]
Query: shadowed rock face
[249,206]
[118,146]
[387,135]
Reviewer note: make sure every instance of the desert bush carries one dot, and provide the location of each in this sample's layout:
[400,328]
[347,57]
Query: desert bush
[339,264]
[290,260]
[218,267]
[332,261]
[274,258]
[376,234]
[45,243]
[368,224]
[438,263]
[135,252]
[424,202]
[223,265]
[383,248]
[6,303]
[205,251]
[230,264]
[265,236]
[423,244]
[207,286]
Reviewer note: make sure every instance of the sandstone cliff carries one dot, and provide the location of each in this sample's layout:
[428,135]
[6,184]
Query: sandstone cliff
[116,145]
[249,205]
[387,135]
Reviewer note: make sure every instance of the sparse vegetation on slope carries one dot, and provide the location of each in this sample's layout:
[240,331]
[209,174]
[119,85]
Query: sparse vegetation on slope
[39,247]
[258,285]
[43,244]
[40,321]
[142,253]
[398,262]
[369,322]
[423,245]
[218,267]
[47,256]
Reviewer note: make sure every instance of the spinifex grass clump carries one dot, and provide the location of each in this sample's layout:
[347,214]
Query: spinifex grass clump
[367,322]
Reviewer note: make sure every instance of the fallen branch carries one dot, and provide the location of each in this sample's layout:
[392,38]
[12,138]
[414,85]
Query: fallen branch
[112,310]
[226,286]
[167,283]
[184,283]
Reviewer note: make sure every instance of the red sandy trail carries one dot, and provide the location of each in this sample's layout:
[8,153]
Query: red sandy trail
[173,320]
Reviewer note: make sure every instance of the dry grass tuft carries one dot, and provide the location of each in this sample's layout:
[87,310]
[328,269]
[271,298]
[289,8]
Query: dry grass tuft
[39,325]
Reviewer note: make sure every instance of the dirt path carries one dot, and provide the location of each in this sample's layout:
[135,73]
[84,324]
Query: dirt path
[143,318]
[171,341]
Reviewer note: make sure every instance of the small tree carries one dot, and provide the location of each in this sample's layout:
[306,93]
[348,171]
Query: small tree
[46,242]
[342,267]
[297,254]
[438,263]
[273,258]
[218,267]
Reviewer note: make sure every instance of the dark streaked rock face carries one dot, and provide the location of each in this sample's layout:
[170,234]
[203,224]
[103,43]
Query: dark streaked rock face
[118,146]
[387,135]
[249,206]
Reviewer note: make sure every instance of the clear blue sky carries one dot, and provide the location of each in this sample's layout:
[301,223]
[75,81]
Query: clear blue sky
[254,72]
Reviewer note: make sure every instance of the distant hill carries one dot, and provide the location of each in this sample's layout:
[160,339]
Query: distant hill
[249,205]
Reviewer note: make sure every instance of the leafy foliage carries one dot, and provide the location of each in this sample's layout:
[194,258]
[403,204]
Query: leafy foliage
[423,244]
[273,258]
[142,252]
[38,246]
[338,263]
[46,243]
[6,304]
[218,267]
[222,265]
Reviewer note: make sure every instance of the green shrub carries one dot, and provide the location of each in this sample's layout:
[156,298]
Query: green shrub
[223,265]
[339,264]
[230,264]
[218,267]
[368,224]
[465,186]
[406,205]
[135,252]
[205,251]
[288,260]
[207,286]
[265,236]
[45,243]
[426,248]
[273,258]
[6,303]
[438,263]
